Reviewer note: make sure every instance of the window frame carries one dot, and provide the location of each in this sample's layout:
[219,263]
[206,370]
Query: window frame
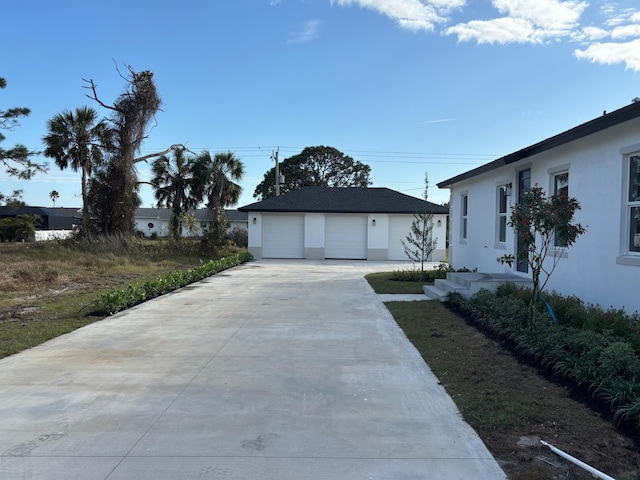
[502,216]
[555,172]
[464,216]
[631,204]
[627,256]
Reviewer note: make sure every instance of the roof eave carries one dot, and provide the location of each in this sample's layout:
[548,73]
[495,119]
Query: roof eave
[596,125]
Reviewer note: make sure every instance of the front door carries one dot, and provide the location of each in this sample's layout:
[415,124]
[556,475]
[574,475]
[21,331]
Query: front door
[524,185]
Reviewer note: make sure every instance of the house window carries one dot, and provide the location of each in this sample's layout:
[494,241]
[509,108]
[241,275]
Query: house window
[560,187]
[502,214]
[633,204]
[463,229]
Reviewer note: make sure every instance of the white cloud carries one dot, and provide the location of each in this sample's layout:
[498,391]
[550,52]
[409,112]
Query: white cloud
[526,21]
[410,14]
[307,33]
[501,30]
[626,31]
[591,34]
[440,120]
[612,53]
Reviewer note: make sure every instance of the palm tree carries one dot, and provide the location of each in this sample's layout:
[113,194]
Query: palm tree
[54,195]
[74,139]
[216,180]
[172,181]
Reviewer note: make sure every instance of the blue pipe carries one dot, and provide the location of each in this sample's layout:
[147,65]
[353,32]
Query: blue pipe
[553,315]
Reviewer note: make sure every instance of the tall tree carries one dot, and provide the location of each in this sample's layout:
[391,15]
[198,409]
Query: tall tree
[115,186]
[173,182]
[316,166]
[420,243]
[17,160]
[75,140]
[54,195]
[216,179]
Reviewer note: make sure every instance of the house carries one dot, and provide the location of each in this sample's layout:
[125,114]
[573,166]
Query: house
[598,163]
[341,223]
[49,218]
[152,221]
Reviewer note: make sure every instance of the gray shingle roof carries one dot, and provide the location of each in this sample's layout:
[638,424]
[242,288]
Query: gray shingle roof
[343,200]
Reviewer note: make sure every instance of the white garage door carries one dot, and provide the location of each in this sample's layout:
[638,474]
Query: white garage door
[345,236]
[283,236]
[399,228]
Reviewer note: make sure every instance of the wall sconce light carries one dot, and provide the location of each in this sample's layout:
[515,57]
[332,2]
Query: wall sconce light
[507,189]
[373,222]
[254,220]
[439,223]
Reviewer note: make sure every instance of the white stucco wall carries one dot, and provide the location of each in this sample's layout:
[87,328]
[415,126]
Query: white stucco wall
[378,235]
[592,269]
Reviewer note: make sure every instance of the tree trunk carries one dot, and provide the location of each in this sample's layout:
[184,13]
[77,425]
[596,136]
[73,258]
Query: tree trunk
[85,203]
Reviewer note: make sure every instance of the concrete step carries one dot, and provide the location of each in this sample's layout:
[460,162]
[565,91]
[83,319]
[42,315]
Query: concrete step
[434,293]
[465,278]
[448,285]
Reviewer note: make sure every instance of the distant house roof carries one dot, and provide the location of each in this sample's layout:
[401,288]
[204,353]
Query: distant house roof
[343,200]
[603,122]
[50,218]
[202,214]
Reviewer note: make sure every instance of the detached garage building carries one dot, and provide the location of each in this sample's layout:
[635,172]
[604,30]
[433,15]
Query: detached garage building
[339,223]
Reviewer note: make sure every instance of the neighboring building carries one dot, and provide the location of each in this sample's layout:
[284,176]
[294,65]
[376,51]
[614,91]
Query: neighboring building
[341,223]
[151,221]
[598,163]
[50,218]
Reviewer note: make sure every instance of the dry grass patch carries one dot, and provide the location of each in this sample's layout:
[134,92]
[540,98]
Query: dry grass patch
[47,290]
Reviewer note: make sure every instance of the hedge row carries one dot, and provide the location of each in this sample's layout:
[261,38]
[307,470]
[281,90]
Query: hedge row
[601,355]
[120,299]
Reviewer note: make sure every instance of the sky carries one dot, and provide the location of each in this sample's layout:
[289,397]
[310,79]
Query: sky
[407,87]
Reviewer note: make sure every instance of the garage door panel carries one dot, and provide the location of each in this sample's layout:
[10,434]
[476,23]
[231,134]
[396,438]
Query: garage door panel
[283,236]
[346,236]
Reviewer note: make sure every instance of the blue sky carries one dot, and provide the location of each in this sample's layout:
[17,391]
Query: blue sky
[405,86]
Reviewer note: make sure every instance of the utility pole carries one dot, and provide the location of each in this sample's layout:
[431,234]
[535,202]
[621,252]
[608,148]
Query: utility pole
[274,156]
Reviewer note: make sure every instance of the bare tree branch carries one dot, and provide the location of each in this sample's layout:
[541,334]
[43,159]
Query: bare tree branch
[92,86]
[175,146]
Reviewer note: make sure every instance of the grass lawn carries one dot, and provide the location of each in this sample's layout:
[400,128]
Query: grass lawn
[381,283]
[512,405]
[47,290]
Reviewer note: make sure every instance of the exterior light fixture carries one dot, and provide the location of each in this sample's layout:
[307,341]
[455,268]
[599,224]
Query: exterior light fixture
[507,189]
[373,222]
[439,223]
[254,220]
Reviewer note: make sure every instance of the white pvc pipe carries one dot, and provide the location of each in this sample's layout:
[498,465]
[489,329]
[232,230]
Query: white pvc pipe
[577,462]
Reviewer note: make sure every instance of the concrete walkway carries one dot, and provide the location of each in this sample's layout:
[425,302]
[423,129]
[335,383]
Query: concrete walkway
[272,370]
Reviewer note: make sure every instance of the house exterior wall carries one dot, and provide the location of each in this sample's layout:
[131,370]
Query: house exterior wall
[314,236]
[596,269]
[378,235]
[161,227]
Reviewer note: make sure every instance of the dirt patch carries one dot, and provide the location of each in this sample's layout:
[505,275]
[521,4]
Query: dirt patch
[511,405]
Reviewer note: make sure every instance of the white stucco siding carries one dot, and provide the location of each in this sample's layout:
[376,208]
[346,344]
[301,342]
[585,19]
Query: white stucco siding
[399,228]
[591,269]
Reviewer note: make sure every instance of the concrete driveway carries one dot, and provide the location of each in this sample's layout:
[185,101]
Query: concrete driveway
[272,370]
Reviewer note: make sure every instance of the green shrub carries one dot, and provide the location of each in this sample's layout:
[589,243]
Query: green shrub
[120,299]
[593,349]
[427,276]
